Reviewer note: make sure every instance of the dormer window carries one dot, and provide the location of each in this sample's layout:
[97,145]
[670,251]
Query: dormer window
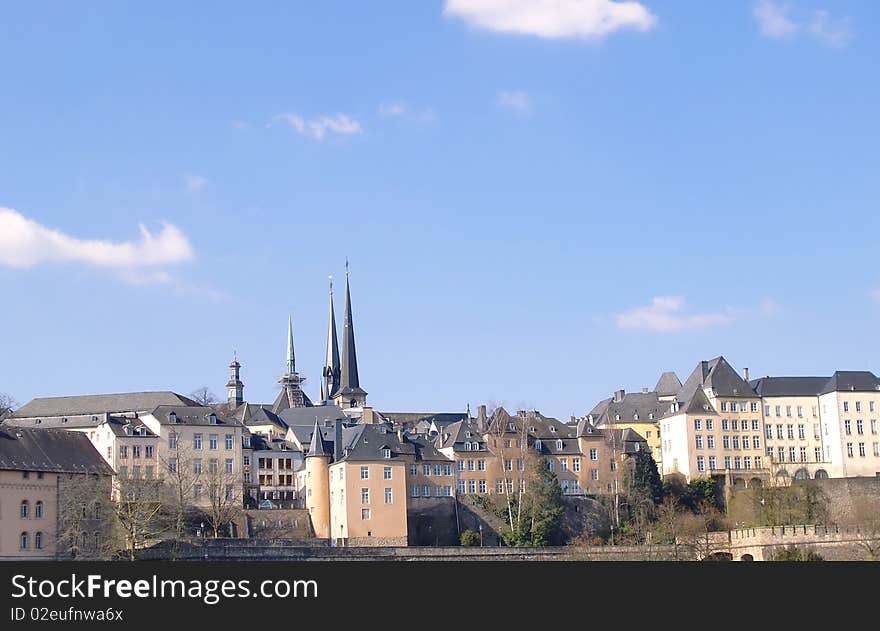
[635,416]
[386,453]
[172,417]
[128,430]
[538,445]
[531,428]
[559,445]
[553,429]
[467,434]
[511,426]
[651,416]
[212,419]
[617,417]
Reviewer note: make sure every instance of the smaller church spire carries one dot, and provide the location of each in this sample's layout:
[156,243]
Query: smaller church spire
[291,358]
[317,447]
[234,387]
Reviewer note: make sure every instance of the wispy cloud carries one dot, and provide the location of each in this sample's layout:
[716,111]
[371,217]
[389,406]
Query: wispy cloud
[554,19]
[322,126]
[667,314]
[780,20]
[402,110]
[514,100]
[25,243]
[194,183]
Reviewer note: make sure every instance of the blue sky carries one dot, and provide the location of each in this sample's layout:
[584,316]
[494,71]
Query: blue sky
[540,204]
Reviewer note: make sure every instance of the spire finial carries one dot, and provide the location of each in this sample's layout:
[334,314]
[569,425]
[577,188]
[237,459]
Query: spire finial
[346,267]
[291,358]
[331,284]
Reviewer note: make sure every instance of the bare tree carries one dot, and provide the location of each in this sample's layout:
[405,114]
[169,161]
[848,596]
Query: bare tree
[181,483]
[224,496]
[139,513]
[7,405]
[864,518]
[203,396]
[84,516]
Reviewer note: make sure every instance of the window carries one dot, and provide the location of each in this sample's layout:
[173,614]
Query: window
[197,441]
[780,454]
[846,406]
[779,434]
[172,440]
[754,406]
[791,454]
[519,464]
[481,466]
[482,486]
[228,438]
[551,465]
[386,473]
[122,472]
[710,424]
[228,464]
[747,462]
[710,442]
[135,451]
[123,451]
[711,462]
[727,462]
[25,509]
[563,464]
[699,440]
[768,431]
[472,486]
[365,496]
[461,465]
[877,449]
[172,465]
[778,410]
[701,464]
[790,429]
[858,406]
[23,541]
[817,451]
[737,462]
[365,514]
[870,406]
[414,491]
[766,410]
[736,442]
[725,424]
[388,497]
[365,472]
[734,424]
[197,491]
[725,442]
[755,424]
[413,469]
[38,540]
[801,432]
[38,510]
[576,464]
[756,442]
[212,441]
[697,424]
[862,449]
[873,426]
[724,406]
[447,469]
[135,472]
[788,410]
[386,453]
[800,410]
[470,465]
[847,427]
[594,474]
[197,465]
[860,429]
[148,472]
[594,454]
[148,451]
[447,491]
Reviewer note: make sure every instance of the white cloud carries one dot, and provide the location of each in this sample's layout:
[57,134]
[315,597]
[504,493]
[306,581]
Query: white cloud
[553,18]
[194,183]
[779,20]
[401,109]
[830,30]
[773,20]
[25,243]
[318,128]
[666,314]
[514,100]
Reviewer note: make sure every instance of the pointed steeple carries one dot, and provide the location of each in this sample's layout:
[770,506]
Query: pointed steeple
[317,447]
[234,387]
[350,393]
[291,358]
[330,382]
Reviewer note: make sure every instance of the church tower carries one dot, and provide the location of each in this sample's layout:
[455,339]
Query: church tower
[318,484]
[350,394]
[234,387]
[332,372]
[291,395]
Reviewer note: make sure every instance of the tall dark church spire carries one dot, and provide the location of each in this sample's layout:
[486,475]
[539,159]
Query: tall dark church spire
[350,393]
[332,372]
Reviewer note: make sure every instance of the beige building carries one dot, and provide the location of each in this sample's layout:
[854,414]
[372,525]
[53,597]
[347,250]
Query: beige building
[42,473]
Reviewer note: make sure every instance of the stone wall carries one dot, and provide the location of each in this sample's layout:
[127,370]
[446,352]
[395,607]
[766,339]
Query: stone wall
[431,521]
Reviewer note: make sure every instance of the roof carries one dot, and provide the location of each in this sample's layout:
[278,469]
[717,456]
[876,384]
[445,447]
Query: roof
[306,416]
[641,407]
[718,375]
[100,403]
[317,447]
[191,415]
[51,450]
[456,434]
[262,416]
[788,386]
[262,443]
[852,381]
[668,385]
[440,419]
[364,443]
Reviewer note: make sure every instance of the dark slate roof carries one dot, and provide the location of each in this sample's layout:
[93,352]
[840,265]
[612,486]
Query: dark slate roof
[550,446]
[283,402]
[718,375]
[306,416]
[317,447]
[852,381]
[117,424]
[365,443]
[349,382]
[262,443]
[643,404]
[262,416]
[440,419]
[536,424]
[50,450]
[788,386]
[100,403]
[456,434]
[192,415]
[599,408]
[668,385]
[425,449]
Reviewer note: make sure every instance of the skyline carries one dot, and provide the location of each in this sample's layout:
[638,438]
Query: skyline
[540,206]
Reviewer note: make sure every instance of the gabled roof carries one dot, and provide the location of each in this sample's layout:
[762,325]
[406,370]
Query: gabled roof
[718,375]
[364,443]
[262,416]
[191,415]
[317,447]
[668,385]
[307,416]
[440,419]
[638,407]
[456,434]
[100,403]
[789,386]
[852,381]
[50,450]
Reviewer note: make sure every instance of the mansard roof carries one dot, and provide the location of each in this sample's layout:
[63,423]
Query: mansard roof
[50,450]
[852,381]
[99,403]
[789,386]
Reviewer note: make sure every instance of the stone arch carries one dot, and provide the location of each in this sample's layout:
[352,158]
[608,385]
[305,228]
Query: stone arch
[719,556]
[821,474]
[802,474]
[739,483]
[747,557]
[756,483]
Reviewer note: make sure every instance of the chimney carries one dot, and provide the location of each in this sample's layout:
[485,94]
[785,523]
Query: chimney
[481,418]
[704,370]
[618,395]
[400,434]
[106,417]
[746,374]
[337,441]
